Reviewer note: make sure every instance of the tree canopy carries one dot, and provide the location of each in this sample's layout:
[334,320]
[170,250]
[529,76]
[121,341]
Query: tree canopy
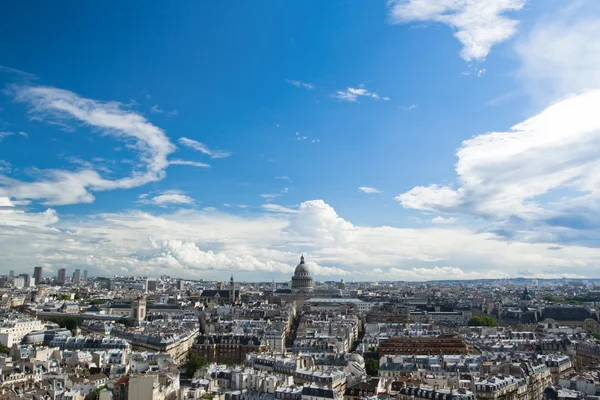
[195,362]
[484,320]
[372,367]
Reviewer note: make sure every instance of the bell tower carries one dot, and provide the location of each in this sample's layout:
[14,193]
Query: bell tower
[232,298]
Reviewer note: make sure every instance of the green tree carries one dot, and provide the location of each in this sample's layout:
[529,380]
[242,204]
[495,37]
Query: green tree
[66,322]
[484,320]
[4,349]
[94,394]
[372,366]
[127,322]
[195,362]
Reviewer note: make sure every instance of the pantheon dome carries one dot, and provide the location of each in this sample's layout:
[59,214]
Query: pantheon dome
[302,281]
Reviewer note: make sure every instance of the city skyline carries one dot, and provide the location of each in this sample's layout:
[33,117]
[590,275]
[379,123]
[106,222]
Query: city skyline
[405,140]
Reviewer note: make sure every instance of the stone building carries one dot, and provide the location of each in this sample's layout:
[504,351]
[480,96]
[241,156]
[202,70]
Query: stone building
[422,345]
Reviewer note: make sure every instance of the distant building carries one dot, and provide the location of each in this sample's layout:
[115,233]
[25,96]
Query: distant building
[62,275]
[13,329]
[227,348]
[422,346]
[77,276]
[37,275]
[151,285]
[139,309]
[85,277]
[222,296]
[302,287]
[302,281]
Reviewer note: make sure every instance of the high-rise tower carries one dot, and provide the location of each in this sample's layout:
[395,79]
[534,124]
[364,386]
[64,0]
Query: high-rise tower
[37,275]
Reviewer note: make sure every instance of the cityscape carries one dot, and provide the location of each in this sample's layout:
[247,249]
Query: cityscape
[74,336]
[300,200]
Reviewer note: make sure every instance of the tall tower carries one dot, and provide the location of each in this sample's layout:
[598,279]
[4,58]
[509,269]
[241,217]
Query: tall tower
[77,276]
[37,275]
[139,309]
[62,275]
[232,298]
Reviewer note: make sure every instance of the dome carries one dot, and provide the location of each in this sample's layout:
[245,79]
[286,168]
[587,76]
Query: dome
[302,269]
[302,281]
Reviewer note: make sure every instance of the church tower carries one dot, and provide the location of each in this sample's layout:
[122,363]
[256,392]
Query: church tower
[139,309]
[232,298]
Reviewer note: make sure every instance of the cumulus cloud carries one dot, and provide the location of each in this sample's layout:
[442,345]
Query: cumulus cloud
[478,24]
[369,190]
[352,94]
[5,202]
[202,148]
[507,174]
[57,187]
[263,245]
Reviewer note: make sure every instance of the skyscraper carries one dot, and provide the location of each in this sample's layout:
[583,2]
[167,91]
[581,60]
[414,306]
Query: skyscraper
[37,275]
[85,277]
[62,275]
[77,276]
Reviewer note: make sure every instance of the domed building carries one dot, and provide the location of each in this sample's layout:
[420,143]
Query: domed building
[302,288]
[302,282]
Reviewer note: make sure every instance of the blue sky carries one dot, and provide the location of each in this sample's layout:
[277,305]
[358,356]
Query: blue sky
[203,139]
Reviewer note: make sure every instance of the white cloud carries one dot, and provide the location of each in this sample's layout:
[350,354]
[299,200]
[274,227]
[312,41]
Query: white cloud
[5,166]
[167,198]
[108,118]
[185,241]
[278,208]
[557,57]
[504,174]
[157,110]
[25,75]
[366,189]
[263,245]
[409,108]
[273,196]
[442,220]
[301,84]
[7,134]
[190,163]
[352,94]
[316,141]
[202,148]
[270,196]
[478,24]
[5,202]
